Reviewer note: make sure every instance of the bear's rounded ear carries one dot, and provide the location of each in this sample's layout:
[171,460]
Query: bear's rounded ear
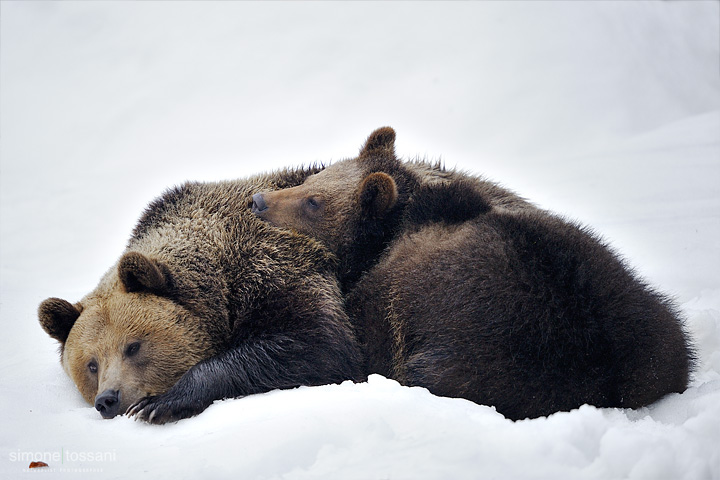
[378,193]
[381,139]
[139,273]
[57,317]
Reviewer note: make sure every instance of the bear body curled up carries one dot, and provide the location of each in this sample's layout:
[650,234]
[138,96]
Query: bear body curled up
[464,288]
[207,302]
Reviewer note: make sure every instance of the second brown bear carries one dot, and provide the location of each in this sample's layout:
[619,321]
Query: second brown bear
[462,287]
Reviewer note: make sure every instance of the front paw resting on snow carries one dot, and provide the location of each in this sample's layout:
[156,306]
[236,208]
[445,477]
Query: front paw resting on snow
[164,408]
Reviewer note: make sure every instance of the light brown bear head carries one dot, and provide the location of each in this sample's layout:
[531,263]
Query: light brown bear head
[333,203]
[127,339]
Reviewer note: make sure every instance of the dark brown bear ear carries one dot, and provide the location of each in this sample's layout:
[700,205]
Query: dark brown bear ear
[381,139]
[378,193]
[57,317]
[139,273]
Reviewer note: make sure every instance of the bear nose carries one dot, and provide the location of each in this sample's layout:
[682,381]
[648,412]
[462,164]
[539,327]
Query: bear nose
[108,403]
[258,203]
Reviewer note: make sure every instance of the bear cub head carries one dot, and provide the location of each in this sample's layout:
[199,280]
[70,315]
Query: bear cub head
[121,342]
[332,203]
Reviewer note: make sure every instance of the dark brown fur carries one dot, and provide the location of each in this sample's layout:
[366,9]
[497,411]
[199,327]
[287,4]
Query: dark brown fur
[464,288]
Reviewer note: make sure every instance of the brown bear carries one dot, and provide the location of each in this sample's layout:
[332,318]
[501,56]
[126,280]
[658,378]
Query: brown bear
[208,302]
[460,286]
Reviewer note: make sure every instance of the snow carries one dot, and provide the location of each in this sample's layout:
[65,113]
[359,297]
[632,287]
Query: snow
[607,112]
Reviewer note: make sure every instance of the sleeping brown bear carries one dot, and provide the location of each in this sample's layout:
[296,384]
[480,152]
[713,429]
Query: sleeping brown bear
[207,302]
[460,286]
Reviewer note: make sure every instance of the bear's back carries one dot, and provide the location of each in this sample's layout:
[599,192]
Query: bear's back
[435,176]
[224,199]
[523,311]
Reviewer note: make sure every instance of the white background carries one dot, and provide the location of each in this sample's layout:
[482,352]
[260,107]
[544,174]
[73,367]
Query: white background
[607,112]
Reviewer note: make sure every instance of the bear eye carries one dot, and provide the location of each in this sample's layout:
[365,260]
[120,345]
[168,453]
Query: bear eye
[312,204]
[92,366]
[132,349]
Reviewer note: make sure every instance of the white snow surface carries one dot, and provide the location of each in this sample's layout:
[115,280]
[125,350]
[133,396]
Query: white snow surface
[606,112]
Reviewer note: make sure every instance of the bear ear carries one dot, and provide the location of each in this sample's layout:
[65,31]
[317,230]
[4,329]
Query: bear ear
[139,273]
[378,193]
[382,139]
[57,317]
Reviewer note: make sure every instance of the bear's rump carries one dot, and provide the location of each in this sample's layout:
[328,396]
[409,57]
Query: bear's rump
[474,315]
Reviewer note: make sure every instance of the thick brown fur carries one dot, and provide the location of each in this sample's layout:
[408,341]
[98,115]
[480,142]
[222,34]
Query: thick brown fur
[463,287]
[207,302]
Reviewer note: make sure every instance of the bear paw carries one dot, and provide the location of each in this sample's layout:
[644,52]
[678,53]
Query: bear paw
[163,409]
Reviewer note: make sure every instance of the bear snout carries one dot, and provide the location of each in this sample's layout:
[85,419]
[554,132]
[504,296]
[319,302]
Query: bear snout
[108,403]
[258,204]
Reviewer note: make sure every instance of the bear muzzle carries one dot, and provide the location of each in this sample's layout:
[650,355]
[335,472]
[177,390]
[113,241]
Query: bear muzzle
[108,403]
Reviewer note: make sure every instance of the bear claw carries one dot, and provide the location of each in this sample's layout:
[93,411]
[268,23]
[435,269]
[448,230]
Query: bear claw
[158,411]
[147,410]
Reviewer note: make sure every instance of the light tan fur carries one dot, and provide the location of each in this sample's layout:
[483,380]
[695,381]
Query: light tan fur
[110,320]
